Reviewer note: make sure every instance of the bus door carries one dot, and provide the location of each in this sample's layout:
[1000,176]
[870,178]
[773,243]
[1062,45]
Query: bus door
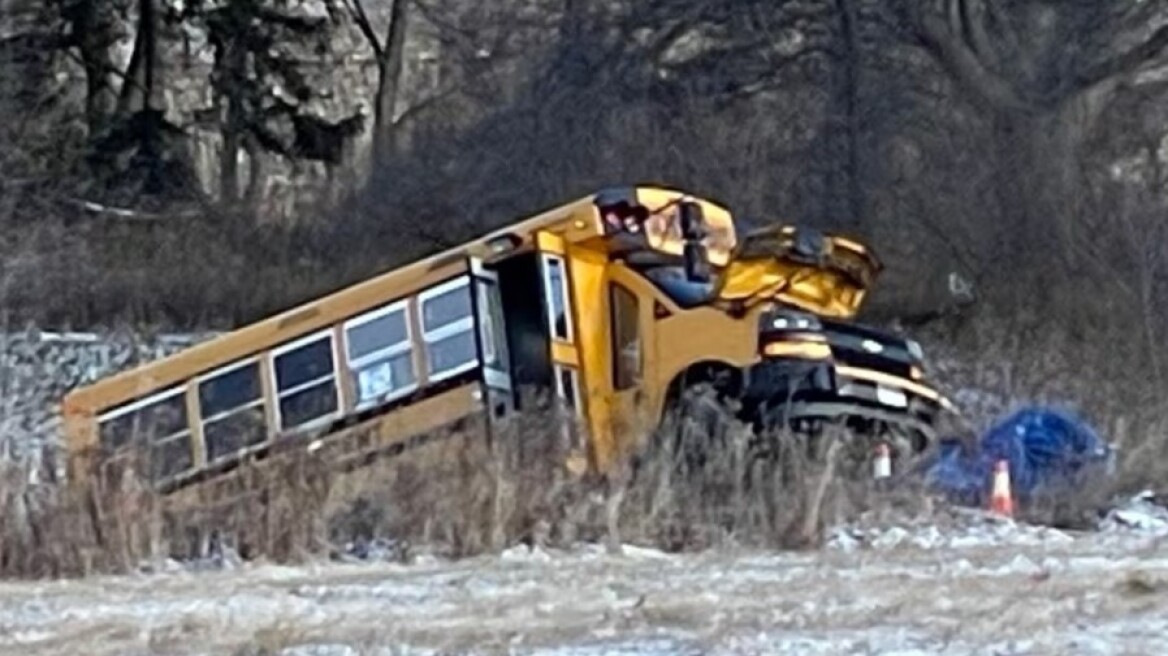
[630,347]
[563,330]
[487,300]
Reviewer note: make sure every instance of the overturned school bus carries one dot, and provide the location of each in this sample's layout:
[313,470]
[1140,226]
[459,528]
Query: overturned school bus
[618,303]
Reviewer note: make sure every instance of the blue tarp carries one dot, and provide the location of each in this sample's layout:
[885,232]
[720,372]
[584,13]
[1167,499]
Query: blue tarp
[1045,448]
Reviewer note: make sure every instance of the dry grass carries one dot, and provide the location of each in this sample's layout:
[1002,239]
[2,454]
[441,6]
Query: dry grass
[461,494]
[464,494]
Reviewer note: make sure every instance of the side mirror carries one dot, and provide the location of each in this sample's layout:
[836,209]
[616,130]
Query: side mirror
[697,263]
[693,222]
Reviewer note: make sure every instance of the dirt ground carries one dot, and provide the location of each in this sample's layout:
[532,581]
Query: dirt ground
[989,589]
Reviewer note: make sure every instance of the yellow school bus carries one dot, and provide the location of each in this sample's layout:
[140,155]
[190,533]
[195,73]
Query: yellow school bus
[616,302]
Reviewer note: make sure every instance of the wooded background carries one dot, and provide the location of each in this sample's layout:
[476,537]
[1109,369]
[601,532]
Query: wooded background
[198,164]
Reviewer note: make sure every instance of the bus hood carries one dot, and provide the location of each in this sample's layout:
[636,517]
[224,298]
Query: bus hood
[825,274]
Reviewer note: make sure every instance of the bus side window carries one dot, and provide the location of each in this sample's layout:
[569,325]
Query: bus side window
[448,329]
[159,421]
[231,405]
[626,337]
[305,380]
[380,354]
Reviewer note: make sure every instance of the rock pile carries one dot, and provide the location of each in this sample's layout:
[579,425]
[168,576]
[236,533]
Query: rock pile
[38,368]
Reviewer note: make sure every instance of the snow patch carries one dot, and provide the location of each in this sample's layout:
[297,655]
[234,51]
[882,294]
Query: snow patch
[589,551]
[1141,514]
[971,529]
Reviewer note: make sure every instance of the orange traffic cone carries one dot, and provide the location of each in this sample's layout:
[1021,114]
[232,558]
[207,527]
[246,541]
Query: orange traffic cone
[1001,499]
[882,466]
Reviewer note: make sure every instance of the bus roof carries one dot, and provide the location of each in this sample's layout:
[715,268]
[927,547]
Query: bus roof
[578,218]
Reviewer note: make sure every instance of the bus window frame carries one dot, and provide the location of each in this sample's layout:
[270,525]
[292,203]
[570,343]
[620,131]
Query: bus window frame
[260,402]
[277,395]
[546,261]
[571,407]
[625,378]
[352,365]
[187,433]
[488,331]
[137,404]
[445,331]
[573,373]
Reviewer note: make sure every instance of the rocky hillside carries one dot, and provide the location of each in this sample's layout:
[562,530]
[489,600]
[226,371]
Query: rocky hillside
[320,80]
[36,370]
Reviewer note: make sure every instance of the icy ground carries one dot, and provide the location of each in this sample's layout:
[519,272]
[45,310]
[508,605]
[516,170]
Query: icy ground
[971,586]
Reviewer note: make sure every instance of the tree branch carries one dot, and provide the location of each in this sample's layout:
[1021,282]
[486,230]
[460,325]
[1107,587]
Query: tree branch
[366,27]
[973,13]
[1001,27]
[943,38]
[418,109]
[106,211]
[1124,63]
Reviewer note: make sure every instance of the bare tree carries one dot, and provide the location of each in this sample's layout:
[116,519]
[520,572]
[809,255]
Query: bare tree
[848,97]
[261,89]
[573,119]
[94,29]
[138,159]
[390,53]
[1043,71]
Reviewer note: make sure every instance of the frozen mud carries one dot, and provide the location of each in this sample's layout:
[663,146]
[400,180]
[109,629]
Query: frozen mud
[976,586]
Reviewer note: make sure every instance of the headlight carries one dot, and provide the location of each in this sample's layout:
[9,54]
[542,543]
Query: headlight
[791,320]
